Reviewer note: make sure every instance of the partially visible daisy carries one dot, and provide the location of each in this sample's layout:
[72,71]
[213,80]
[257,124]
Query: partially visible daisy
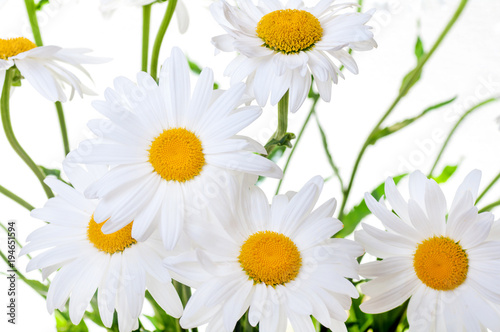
[86,260]
[45,67]
[281,45]
[181,12]
[279,261]
[172,153]
[441,259]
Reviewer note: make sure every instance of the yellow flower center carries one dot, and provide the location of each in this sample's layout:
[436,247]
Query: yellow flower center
[110,243]
[270,257]
[441,263]
[14,46]
[289,30]
[177,154]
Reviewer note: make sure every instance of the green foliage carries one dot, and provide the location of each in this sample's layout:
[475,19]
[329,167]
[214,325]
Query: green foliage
[38,287]
[195,68]
[327,151]
[40,4]
[447,172]
[63,323]
[161,321]
[400,125]
[391,321]
[414,75]
[419,48]
[360,211]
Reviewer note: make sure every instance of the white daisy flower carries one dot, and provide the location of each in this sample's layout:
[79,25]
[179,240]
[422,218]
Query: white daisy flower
[43,67]
[109,6]
[279,261]
[281,45]
[172,153]
[86,259]
[439,258]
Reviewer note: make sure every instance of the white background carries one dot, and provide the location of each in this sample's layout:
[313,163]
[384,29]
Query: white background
[469,57]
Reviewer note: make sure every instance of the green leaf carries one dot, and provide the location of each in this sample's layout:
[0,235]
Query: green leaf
[419,48]
[40,4]
[38,287]
[195,68]
[391,320]
[63,323]
[327,151]
[400,125]
[447,172]
[360,211]
[161,320]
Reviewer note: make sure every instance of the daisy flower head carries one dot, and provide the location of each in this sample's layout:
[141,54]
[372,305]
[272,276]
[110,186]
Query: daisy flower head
[45,67]
[116,265]
[281,45]
[277,261]
[441,259]
[172,153]
[109,6]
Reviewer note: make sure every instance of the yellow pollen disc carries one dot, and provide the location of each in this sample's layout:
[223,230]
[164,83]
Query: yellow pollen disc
[110,243]
[441,263]
[289,30]
[177,154]
[14,46]
[270,257]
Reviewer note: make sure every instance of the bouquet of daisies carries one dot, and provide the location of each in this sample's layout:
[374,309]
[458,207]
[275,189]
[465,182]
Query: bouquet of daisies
[162,220]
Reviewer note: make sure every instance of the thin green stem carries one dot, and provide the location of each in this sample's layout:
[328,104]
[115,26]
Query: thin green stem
[445,144]
[280,133]
[7,126]
[146,19]
[62,124]
[31,9]
[16,198]
[304,125]
[488,187]
[490,206]
[405,88]
[159,37]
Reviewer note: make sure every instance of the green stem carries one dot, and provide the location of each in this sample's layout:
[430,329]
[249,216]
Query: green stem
[490,206]
[31,9]
[146,18]
[7,126]
[445,144]
[62,124]
[159,37]
[405,88]
[304,125]
[280,132]
[488,188]
[16,198]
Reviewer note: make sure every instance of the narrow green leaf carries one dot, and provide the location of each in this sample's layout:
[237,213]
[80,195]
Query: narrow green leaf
[195,68]
[400,125]
[327,152]
[419,48]
[40,4]
[37,286]
[360,211]
[63,323]
[447,172]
